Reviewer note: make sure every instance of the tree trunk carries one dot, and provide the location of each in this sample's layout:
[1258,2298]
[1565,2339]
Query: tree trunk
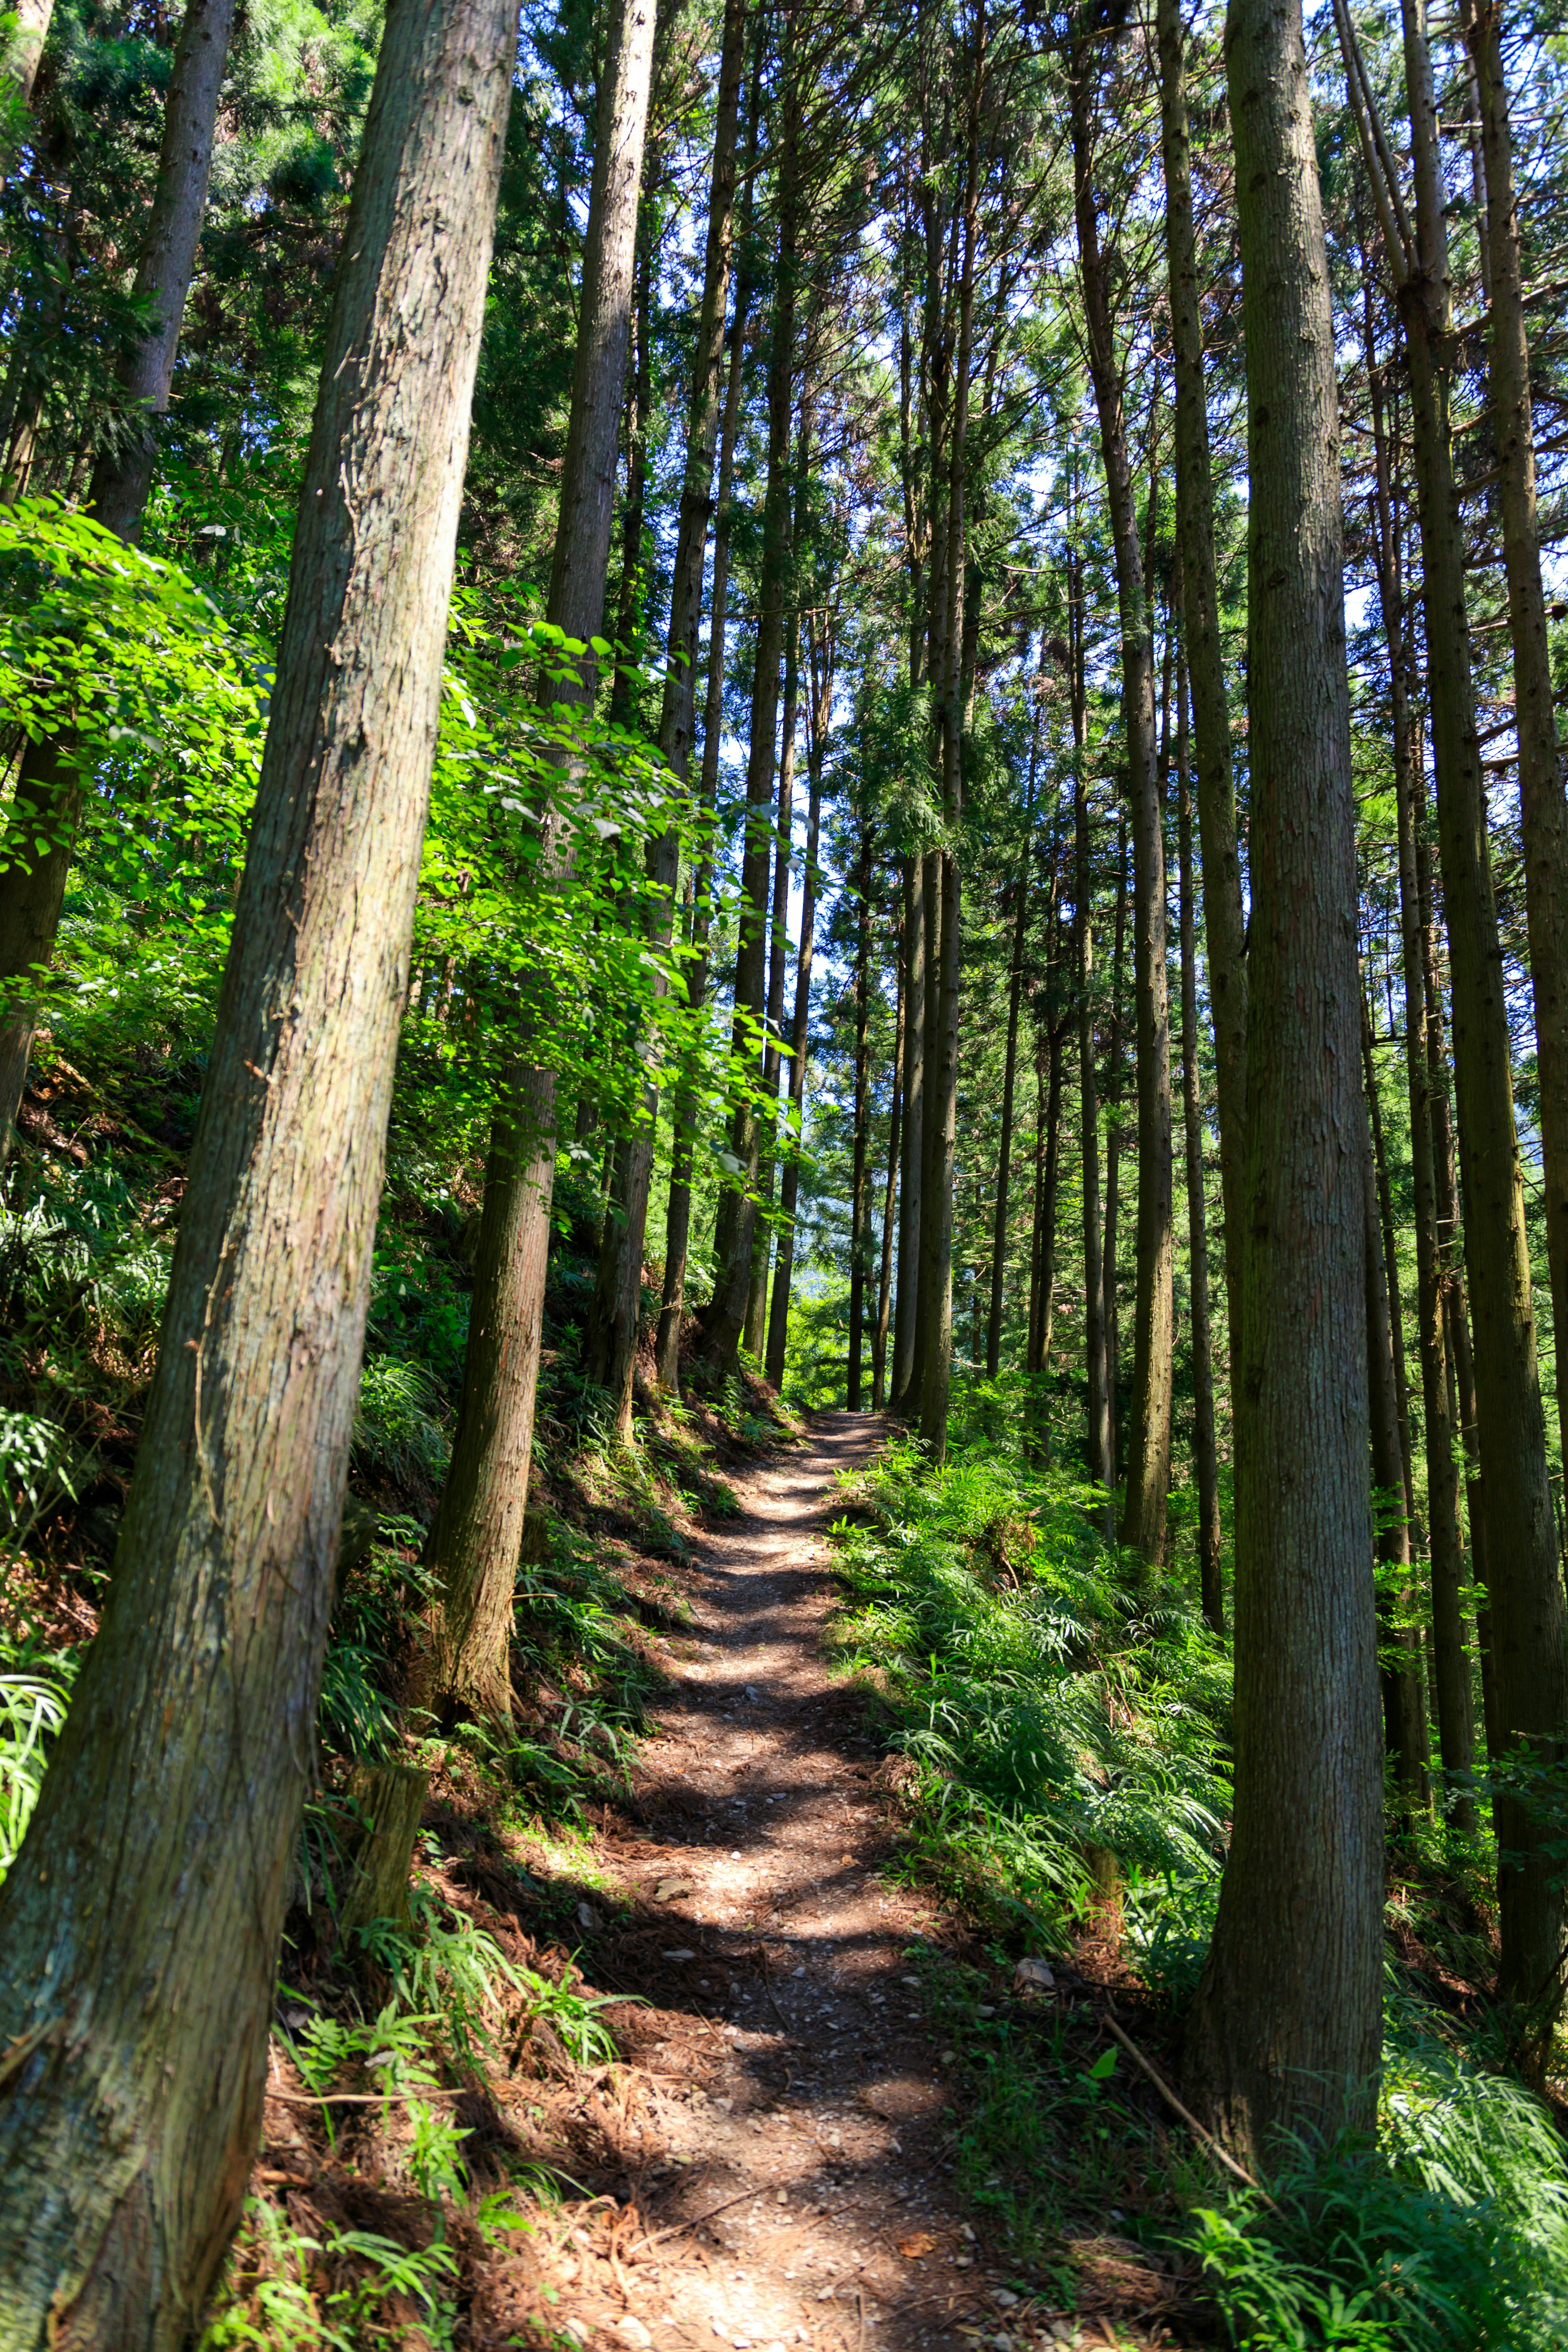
[141,1921]
[1009,1067]
[28,34]
[778,948]
[1404,1710]
[677,1222]
[890,1202]
[1149,1430]
[1544,818]
[1098,1447]
[1530,1661]
[474,1545]
[1456,1737]
[1206,1456]
[392,1798]
[906,1313]
[1114,1144]
[1287,2028]
[859,1207]
[724,1323]
[48,794]
[611,1339]
[1225,922]
[818,716]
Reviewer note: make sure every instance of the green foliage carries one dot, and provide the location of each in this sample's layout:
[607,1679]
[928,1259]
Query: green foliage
[1049,1707]
[31,1714]
[397,1428]
[292,2292]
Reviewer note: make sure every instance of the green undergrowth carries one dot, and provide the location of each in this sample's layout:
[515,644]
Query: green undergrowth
[1056,1713]
[1064,1722]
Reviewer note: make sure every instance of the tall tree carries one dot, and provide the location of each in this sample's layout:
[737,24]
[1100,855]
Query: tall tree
[1149,1436]
[1206,1458]
[139,1924]
[1530,1639]
[1225,924]
[611,1350]
[474,1545]
[1286,2026]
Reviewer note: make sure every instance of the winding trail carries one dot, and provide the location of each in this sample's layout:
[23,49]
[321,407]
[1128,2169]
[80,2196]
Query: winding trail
[797,2151]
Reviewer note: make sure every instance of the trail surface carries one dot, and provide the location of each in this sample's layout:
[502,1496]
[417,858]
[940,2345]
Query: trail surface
[794,2144]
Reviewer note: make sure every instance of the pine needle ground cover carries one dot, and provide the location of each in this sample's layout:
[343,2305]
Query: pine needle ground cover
[1059,1726]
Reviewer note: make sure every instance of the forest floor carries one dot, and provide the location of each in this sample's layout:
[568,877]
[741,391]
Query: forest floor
[770,2163]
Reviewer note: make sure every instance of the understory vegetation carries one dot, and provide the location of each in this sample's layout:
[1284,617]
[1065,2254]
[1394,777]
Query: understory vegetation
[1064,1724]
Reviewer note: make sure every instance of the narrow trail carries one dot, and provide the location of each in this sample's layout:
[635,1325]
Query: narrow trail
[793,2149]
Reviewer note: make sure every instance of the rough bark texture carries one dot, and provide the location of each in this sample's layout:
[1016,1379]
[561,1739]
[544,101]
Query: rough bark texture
[1009,1069]
[474,1545]
[1288,2024]
[726,1317]
[677,1219]
[1543,815]
[819,713]
[391,1798]
[1530,1663]
[1205,1459]
[1098,1435]
[48,793]
[610,1346]
[139,1927]
[913,1145]
[1225,922]
[1445,1538]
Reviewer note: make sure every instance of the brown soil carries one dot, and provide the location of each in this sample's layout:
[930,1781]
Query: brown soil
[792,2155]
[770,2165]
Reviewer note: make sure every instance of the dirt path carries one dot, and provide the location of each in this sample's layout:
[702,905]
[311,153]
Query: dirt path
[806,2114]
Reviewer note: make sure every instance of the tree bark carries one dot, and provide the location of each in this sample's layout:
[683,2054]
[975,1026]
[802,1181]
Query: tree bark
[610,1350]
[1404,1709]
[1530,1658]
[942,1069]
[1287,2028]
[905,1390]
[818,717]
[1098,1462]
[1456,1737]
[860,1220]
[1543,816]
[778,948]
[1225,922]
[48,796]
[474,1545]
[1205,1454]
[724,1323]
[890,1202]
[141,1922]
[1009,1067]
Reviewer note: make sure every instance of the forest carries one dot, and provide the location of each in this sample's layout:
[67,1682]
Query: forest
[784,992]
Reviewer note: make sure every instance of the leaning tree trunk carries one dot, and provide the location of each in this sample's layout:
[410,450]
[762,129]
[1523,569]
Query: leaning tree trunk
[474,1546]
[1286,2027]
[48,796]
[1225,921]
[1149,1433]
[611,1339]
[140,1926]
